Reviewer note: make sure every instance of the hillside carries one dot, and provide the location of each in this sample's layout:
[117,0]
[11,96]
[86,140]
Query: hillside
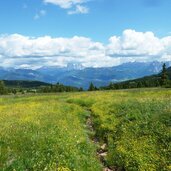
[16,86]
[148,81]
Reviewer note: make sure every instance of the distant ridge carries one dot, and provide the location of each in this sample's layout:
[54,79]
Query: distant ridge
[147,81]
[24,84]
[76,75]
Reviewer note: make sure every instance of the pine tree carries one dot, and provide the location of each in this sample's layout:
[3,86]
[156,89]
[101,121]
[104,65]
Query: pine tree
[164,76]
[3,89]
[91,87]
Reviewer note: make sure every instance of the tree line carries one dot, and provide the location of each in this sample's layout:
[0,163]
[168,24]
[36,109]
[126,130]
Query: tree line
[42,89]
[59,88]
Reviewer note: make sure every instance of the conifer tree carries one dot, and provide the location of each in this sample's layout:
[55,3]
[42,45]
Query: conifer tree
[3,89]
[91,87]
[164,76]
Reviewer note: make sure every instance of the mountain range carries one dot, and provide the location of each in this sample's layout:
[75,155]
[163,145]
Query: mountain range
[78,76]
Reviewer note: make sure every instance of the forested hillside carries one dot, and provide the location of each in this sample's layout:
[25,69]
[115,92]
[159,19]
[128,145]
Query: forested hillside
[162,79]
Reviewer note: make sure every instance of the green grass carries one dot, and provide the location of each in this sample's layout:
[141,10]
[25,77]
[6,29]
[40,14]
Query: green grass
[49,132]
[42,133]
[136,125]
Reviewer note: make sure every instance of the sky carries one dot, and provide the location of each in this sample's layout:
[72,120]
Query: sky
[95,33]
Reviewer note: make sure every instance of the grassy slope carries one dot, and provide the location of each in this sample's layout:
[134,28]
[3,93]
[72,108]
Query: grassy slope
[45,132]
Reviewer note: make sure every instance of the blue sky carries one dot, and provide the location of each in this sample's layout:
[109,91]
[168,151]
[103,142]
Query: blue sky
[105,18]
[97,20]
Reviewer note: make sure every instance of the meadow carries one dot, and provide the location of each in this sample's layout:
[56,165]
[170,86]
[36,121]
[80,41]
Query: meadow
[50,131]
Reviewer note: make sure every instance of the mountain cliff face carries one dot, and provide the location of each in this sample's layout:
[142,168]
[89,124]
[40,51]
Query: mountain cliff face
[77,75]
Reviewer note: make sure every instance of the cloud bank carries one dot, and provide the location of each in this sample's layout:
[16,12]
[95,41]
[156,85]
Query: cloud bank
[19,51]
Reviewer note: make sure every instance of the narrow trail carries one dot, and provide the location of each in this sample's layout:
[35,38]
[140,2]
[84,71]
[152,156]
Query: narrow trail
[102,150]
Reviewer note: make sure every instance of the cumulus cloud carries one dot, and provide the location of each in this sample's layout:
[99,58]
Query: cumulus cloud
[75,5]
[48,50]
[138,44]
[19,50]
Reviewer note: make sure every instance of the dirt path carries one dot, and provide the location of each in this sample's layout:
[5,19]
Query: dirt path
[102,150]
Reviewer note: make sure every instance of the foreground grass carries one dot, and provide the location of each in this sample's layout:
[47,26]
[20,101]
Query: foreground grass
[49,132]
[41,133]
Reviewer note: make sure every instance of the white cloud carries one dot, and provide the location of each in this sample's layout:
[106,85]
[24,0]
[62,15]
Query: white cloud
[137,44]
[19,50]
[41,13]
[45,50]
[66,4]
[75,5]
[79,10]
